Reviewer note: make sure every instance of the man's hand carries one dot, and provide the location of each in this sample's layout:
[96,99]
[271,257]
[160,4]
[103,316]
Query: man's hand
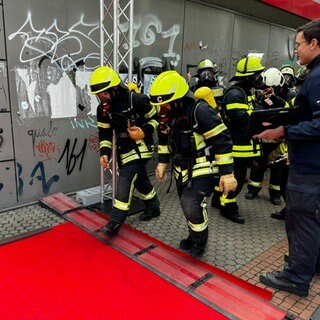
[227,183]
[135,133]
[270,134]
[104,162]
[161,174]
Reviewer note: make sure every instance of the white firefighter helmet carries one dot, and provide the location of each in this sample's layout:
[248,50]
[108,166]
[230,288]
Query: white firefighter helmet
[287,69]
[273,77]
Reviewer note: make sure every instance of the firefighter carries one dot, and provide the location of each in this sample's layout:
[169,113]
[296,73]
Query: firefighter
[133,120]
[273,81]
[289,90]
[193,134]
[206,76]
[237,106]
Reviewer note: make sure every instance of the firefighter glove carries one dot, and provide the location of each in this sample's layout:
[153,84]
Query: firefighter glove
[227,183]
[135,133]
[161,174]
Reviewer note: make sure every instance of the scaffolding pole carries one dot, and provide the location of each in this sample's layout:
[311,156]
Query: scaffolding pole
[116,41]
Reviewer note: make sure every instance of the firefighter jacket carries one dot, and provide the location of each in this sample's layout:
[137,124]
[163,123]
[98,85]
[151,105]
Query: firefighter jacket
[197,140]
[304,137]
[127,109]
[238,105]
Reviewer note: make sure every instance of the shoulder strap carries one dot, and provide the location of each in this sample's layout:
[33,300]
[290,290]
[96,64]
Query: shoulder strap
[223,109]
[131,104]
[194,121]
[236,88]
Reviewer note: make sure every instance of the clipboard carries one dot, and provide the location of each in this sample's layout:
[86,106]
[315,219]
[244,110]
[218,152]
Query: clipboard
[275,116]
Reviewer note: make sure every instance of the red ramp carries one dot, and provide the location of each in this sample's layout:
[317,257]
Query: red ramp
[222,292]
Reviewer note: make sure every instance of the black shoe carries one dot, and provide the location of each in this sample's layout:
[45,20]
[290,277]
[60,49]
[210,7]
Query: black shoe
[186,244]
[197,250]
[148,214]
[235,217]
[277,281]
[276,201]
[111,229]
[251,195]
[278,215]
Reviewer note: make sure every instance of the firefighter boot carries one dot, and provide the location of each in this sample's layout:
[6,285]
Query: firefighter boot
[186,244]
[276,201]
[196,249]
[252,193]
[111,229]
[232,215]
[152,209]
[195,243]
[275,197]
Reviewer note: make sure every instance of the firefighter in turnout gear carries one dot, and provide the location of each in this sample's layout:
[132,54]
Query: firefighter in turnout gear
[238,104]
[289,90]
[273,81]
[191,132]
[206,77]
[133,120]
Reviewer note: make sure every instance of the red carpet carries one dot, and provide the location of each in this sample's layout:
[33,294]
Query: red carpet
[224,293]
[65,273]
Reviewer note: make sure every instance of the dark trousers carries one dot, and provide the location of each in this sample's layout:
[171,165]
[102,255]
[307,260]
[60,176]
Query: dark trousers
[132,175]
[259,168]
[194,206]
[303,227]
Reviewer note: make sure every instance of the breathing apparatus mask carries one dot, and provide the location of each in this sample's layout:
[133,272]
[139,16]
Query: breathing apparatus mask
[165,117]
[289,80]
[207,78]
[258,82]
[105,99]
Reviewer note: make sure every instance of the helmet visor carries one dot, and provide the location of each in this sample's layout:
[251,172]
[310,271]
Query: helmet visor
[99,86]
[161,99]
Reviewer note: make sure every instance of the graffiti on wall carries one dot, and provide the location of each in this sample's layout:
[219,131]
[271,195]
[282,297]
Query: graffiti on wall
[47,91]
[53,81]
[44,147]
[71,156]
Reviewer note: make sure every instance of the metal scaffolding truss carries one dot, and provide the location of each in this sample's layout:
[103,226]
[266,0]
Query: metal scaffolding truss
[116,34]
[116,51]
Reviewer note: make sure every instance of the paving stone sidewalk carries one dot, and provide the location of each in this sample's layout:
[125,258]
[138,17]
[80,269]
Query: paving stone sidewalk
[243,250]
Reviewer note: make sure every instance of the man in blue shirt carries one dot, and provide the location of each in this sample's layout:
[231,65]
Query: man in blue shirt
[303,187]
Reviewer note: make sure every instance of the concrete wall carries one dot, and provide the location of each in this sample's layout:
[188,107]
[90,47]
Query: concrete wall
[48,135]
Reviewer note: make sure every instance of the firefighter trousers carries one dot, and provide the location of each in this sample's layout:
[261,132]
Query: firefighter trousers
[194,206]
[132,176]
